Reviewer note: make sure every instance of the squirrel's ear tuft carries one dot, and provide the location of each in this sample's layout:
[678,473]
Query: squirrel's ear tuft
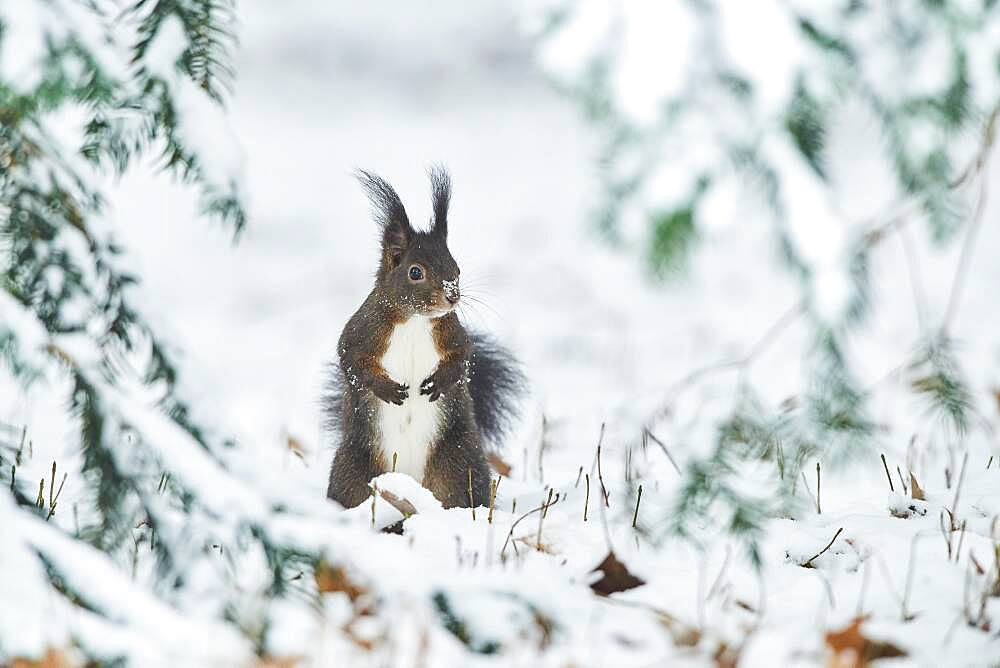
[389,213]
[440,198]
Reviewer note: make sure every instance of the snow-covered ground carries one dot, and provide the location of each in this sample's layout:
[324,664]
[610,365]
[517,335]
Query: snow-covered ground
[327,87]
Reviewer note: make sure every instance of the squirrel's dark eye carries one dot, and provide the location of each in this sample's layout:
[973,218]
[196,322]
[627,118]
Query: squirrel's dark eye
[416,273]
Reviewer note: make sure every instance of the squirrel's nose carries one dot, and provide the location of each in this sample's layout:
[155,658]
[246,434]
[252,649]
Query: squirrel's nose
[452,297]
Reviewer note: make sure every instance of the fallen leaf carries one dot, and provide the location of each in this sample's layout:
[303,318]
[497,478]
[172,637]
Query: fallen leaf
[52,659]
[915,491]
[616,577]
[333,579]
[404,506]
[851,649]
[280,662]
[498,464]
[295,446]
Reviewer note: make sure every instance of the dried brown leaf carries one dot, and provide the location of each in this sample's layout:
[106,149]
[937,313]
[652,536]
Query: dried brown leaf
[852,649]
[915,491]
[280,662]
[498,464]
[53,659]
[334,578]
[295,446]
[615,577]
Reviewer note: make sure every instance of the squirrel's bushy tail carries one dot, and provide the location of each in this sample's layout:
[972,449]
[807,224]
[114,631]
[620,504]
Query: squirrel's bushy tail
[495,383]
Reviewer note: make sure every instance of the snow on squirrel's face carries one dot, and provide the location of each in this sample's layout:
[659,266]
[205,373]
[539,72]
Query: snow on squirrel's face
[417,272]
[425,278]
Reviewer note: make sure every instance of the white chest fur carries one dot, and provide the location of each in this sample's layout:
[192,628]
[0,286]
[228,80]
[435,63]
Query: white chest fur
[409,430]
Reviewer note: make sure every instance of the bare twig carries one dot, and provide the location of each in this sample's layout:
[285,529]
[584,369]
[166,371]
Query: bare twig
[651,435]
[494,484]
[542,441]
[887,475]
[600,476]
[635,515]
[54,498]
[958,490]
[541,518]
[808,563]
[961,539]
[819,508]
[472,504]
[514,525]
[805,483]
[902,480]
[586,498]
[945,531]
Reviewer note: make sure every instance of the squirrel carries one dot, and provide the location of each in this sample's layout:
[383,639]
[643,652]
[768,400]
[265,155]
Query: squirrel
[415,391]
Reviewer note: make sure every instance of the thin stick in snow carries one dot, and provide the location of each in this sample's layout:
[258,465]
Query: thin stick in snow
[961,539]
[958,490]
[635,515]
[586,499]
[494,484]
[888,477]
[808,564]
[541,518]
[542,439]
[805,483]
[902,481]
[513,526]
[819,509]
[663,447]
[472,504]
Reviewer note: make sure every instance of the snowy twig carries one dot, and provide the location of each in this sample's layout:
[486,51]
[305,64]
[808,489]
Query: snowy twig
[663,447]
[888,477]
[808,563]
[819,508]
[958,490]
[513,526]
[541,518]
[638,500]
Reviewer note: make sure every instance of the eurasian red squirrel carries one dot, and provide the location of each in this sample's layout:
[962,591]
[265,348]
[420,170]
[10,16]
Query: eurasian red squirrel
[414,389]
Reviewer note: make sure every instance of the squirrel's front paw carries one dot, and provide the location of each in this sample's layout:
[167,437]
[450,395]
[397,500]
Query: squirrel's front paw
[430,388]
[391,392]
[437,383]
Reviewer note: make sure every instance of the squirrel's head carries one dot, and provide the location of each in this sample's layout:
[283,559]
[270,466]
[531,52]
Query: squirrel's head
[416,272]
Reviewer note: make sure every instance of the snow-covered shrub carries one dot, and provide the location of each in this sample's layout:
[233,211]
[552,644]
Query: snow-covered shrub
[832,125]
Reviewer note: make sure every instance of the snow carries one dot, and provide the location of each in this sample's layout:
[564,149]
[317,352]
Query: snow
[30,27]
[202,125]
[321,93]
